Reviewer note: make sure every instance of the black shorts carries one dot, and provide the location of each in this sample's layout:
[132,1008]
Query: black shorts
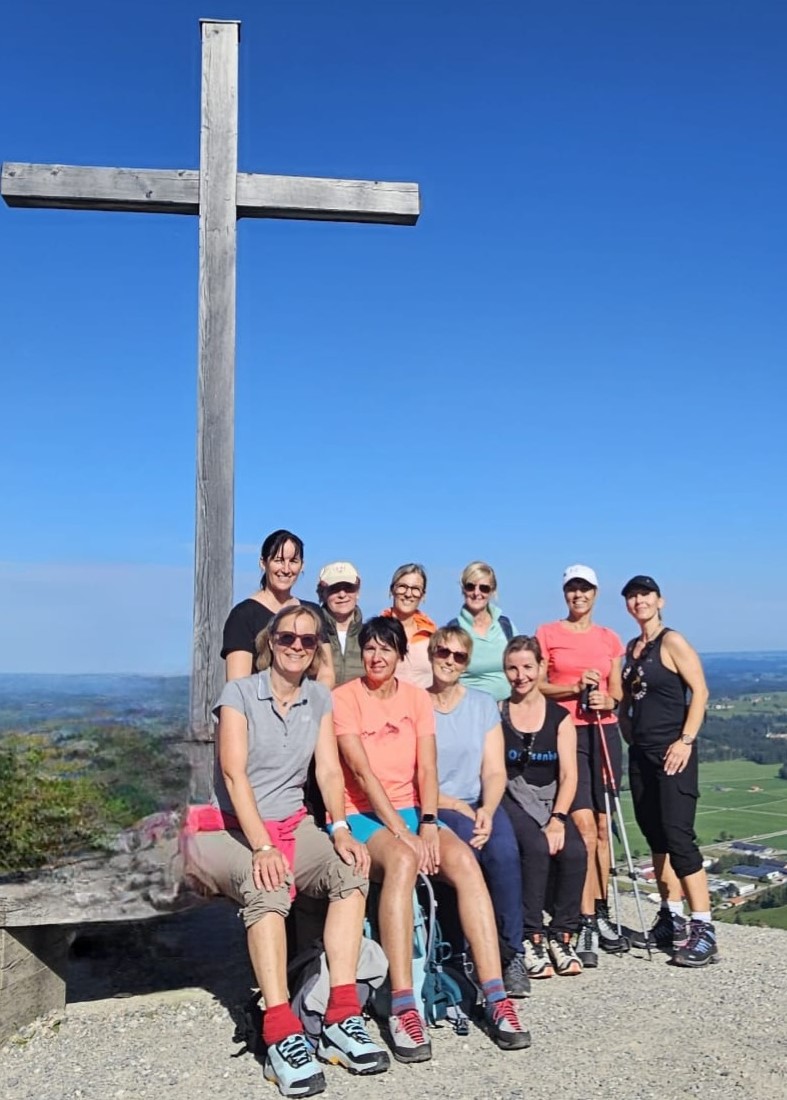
[665,806]
[590,776]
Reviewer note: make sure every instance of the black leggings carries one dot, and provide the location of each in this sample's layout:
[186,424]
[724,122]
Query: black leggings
[665,807]
[567,868]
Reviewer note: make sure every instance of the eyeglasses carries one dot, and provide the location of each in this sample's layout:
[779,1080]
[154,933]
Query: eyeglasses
[484,589]
[413,589]
[442,653]
[341,586]
[286,639]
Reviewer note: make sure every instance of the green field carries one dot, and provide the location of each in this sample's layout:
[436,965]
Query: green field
[728,806]
[770,918]
[756,703]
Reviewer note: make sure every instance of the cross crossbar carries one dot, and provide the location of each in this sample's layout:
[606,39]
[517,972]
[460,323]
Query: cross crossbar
[176,191]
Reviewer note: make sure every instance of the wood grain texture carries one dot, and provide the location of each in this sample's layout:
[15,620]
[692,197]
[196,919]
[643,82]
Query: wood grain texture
[214,540]
[71,187]
[176,191]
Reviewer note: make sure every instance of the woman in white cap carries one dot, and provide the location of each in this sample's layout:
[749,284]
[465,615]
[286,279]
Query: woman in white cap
[584,675]
[338,588]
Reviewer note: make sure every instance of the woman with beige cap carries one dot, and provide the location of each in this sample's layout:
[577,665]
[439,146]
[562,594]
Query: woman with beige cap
[584,664]
[337,590]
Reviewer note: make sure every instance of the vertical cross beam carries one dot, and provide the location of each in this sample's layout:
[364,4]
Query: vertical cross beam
[214,535]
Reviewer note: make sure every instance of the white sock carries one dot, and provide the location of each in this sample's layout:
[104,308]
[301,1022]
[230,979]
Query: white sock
[701,916]
[676,908]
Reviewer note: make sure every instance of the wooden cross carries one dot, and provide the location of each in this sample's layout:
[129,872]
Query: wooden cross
[220,195]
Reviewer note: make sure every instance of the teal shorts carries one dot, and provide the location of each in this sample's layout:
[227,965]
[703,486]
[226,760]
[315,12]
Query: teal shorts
[365,825]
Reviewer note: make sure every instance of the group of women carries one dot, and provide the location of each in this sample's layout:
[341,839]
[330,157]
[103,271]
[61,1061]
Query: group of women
[470,753]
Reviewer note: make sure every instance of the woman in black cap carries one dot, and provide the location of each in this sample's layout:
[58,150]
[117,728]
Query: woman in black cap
[664,699]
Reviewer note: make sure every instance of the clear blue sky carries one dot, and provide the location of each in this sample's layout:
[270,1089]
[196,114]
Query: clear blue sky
[579,354]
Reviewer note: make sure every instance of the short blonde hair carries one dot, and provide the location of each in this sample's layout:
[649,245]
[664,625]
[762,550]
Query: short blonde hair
[478,569]
[262,642]
[442,636]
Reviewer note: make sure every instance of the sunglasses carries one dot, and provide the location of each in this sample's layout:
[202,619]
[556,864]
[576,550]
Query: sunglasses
[341,586]
[484,589]
[286,639]
[442,652]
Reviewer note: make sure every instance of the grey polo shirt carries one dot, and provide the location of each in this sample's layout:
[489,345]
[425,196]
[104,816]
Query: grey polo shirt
[280,748]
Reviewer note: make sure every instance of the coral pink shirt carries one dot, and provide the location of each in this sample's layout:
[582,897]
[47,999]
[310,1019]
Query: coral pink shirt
[569,653]
[389,729]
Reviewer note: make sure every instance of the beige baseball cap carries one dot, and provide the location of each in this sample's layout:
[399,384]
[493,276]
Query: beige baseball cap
[338,571]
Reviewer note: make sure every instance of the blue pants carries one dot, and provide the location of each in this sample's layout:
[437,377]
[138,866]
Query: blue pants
[499,859]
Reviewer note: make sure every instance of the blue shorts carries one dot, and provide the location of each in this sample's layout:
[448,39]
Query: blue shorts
[365,825]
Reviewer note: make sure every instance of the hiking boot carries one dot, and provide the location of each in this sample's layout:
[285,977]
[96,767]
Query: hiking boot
[668,933]
[515,977]
[290,1064]
[700,946]
[537,961]
[505,1027]
[563,955]
[587,943]
[408,1038]
[608,937]
[349,1044]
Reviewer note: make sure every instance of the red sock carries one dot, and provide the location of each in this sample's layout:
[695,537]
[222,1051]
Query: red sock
[343,1002]
[278,1022]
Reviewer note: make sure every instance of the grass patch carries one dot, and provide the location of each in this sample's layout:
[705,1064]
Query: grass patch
[734,810]
[767,918]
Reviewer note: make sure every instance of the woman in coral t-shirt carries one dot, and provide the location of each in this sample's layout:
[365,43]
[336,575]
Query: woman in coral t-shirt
[385,728]
[583,658]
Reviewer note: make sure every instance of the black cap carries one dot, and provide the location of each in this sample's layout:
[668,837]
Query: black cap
[647,583]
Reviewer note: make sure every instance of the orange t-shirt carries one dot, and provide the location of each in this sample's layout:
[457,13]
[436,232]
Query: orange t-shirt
[389,729]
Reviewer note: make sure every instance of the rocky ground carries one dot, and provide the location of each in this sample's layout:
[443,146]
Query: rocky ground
[152,1007]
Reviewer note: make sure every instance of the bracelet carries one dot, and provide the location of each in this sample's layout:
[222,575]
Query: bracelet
[262,848]
[341,824]
[562,818]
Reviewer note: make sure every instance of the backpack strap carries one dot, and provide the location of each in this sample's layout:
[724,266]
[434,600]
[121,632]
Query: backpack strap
[507,627]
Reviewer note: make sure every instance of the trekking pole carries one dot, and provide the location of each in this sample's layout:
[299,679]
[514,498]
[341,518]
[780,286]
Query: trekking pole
[613,863]
[611,786]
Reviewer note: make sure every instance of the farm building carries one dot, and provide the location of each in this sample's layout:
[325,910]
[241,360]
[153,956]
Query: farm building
[762,874]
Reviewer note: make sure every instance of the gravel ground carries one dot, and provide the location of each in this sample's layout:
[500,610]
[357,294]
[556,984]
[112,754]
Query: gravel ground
[151,1015]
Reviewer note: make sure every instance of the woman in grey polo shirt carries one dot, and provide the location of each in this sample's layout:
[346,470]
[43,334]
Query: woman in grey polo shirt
[271,725]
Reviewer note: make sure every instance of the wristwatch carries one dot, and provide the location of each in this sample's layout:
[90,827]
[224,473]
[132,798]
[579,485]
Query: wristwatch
[427,819]
[687,740]
[263,848]
[560,817]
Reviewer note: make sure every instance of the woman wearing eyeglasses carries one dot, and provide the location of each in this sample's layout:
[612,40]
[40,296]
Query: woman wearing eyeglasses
[541,766]
[281,561]
[489,629]
[408,588]
[472,777]
[265,846]
[386,733]
[584,663]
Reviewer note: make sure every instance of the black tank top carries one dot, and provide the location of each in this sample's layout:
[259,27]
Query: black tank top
[533,755]
[654,695]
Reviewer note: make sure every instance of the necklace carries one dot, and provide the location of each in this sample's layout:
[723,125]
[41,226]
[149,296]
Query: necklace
[445,704]
[283,703]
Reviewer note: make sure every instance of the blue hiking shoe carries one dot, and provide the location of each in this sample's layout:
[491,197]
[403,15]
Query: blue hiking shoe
[290,1064]
[700,947]
[349,1044]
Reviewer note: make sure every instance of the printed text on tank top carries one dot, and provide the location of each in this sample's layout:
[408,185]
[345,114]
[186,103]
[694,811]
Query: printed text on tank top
[528,754]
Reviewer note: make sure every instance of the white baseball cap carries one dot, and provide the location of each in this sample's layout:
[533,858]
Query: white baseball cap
[580,573]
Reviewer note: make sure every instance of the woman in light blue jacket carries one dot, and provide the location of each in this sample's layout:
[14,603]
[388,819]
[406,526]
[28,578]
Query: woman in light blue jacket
[490,630]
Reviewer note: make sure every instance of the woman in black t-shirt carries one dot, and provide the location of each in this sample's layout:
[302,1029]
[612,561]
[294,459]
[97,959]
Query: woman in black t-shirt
[281,561]
[541,766]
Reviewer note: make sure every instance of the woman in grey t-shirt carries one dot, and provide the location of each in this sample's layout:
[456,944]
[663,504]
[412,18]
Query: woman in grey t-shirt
[271,725]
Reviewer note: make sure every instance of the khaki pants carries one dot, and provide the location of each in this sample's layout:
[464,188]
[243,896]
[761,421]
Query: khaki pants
[222,862]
